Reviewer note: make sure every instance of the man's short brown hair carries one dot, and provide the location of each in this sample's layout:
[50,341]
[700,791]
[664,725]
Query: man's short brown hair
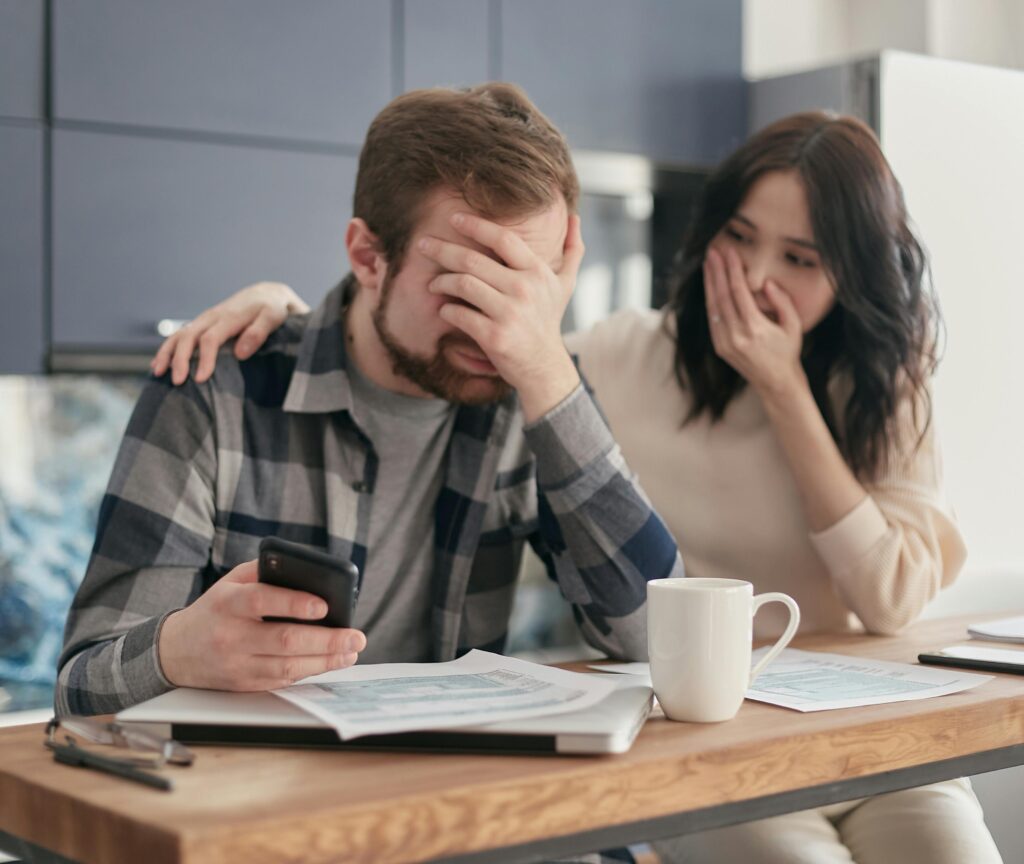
[489,143]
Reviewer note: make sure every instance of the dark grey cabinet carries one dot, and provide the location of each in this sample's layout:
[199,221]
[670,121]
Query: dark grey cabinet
[661,78]
[21,247]
[22,58]
[198,145]
[311,71]
[146,229]
[447,43]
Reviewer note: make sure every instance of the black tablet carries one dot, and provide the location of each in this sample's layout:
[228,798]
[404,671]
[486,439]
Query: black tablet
[978,657]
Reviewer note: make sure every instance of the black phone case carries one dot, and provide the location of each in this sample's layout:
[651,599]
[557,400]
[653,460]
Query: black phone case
[965,663]
[289,565]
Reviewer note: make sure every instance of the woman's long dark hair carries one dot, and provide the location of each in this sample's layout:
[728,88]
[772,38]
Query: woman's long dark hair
[881,334]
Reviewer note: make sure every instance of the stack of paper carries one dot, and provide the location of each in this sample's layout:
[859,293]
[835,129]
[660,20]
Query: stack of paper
[1005,630]
[479,687]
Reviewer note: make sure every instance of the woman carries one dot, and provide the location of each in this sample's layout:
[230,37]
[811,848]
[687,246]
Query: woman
[778,414]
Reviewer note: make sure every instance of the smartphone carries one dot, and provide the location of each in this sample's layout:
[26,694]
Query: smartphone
[977,657]
[335,580]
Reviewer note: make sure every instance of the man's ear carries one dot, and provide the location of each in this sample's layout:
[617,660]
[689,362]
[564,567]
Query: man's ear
[364,256]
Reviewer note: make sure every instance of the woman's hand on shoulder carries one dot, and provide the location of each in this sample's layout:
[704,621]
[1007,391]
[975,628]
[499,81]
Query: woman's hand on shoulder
[762,345]
[252,314]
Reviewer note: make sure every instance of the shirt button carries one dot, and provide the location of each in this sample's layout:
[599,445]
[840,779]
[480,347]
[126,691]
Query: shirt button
[360,486]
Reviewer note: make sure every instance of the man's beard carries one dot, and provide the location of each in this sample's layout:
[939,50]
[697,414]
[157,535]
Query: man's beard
[435,374]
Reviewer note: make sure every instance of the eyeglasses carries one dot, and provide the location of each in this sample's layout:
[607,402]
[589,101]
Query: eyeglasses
[145,748]
[141,749]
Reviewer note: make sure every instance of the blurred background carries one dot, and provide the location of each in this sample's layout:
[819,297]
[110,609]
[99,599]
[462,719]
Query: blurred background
[157,155]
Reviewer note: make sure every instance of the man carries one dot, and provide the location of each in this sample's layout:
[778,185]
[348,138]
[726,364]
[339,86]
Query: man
[424,422]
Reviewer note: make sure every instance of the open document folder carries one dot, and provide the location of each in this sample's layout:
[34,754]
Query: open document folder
[418,706]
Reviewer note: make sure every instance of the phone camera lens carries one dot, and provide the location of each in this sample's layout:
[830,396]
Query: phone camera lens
[272,562]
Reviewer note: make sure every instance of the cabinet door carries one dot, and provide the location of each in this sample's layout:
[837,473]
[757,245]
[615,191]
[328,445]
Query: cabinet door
[146,229]
[21,248]
[447,43]
[316,71]
[22,38]
[661,78]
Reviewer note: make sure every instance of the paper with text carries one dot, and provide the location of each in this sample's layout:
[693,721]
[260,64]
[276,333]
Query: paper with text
[816,681]
[479,687]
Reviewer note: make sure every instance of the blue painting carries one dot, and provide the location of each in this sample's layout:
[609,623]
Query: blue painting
[58,439]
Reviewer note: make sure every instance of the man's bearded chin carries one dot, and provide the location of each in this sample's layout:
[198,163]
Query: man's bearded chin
[435,374]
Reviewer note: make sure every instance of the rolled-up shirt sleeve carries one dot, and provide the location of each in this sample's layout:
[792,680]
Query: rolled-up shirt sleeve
[598,532]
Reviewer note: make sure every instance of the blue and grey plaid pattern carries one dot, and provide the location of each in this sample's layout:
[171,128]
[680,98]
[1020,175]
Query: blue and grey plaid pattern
[269,446]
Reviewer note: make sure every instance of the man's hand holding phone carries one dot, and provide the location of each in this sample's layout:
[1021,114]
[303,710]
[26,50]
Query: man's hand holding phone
[221,642]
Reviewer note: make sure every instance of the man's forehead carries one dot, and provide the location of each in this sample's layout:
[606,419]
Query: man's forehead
[544,231]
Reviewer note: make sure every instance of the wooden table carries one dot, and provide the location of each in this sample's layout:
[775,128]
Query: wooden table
[278,805]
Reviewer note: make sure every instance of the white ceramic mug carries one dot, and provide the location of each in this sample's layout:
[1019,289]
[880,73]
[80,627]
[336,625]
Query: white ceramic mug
[699,635]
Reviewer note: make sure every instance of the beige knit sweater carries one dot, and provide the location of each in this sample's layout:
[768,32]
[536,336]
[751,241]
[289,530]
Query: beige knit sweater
[727,495]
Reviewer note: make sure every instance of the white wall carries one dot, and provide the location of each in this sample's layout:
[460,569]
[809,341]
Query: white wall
[781,36]
[979,31]
[786,36]
[897,24]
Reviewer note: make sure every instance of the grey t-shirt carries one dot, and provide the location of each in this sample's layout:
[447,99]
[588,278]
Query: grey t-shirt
[410,437]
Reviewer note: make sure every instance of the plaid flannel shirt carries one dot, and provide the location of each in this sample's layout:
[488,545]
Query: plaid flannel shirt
[269,446]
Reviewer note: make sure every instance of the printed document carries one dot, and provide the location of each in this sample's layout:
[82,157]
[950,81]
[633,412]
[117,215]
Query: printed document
[479,687]
[816,681]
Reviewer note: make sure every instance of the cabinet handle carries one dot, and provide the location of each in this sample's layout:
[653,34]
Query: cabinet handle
[169,326]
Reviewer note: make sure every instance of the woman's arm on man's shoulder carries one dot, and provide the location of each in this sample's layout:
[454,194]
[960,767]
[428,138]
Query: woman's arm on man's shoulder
[251,314]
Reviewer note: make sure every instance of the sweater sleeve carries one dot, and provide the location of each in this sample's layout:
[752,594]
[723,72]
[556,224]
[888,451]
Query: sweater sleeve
[901,545]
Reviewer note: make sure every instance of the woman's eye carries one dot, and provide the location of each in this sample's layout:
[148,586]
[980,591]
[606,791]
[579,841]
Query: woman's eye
[799,261]
[735,235]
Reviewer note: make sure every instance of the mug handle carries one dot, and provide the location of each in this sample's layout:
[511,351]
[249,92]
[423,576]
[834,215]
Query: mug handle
[783,641]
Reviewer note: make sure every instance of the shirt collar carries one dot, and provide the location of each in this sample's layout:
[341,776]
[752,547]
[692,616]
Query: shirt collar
[320,383]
